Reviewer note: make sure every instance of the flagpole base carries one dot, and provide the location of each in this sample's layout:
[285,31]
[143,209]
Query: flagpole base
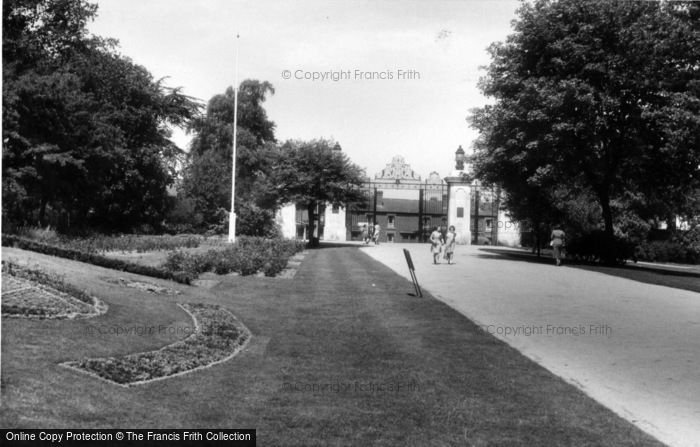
[232,227]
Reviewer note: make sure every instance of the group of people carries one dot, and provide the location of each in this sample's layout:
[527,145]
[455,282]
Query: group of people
[443,241]
[371,234]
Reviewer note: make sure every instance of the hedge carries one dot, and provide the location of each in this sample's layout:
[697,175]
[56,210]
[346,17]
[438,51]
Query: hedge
[598,246]
[247,256]
[95,259]
[668,251]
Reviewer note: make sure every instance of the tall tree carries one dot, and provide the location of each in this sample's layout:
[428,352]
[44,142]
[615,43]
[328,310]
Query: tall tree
[85,130]
[309,173]
[207,179]
[599,96]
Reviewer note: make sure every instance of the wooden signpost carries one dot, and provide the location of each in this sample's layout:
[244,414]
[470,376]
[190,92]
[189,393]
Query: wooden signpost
[412,269]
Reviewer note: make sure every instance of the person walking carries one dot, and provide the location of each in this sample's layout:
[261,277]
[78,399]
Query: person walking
[365,234]
[557,240]
[450,242]
[436,244]
[375,236]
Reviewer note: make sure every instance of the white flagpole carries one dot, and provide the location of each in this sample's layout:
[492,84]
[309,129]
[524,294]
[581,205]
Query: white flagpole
[232,216]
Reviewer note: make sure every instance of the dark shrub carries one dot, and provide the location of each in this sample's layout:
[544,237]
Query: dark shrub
[250,262]
[274,265]
[227,261]
[598,246]
[249,255]
[192,264]
[667,251]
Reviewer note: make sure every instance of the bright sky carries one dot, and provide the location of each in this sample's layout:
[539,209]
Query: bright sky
[428,52]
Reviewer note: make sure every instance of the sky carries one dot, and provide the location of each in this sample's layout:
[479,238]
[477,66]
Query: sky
[391,77]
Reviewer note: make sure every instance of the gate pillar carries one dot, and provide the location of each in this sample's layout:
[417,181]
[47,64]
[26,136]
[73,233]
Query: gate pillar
[459,200]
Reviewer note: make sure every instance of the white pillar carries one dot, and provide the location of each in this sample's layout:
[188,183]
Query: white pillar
[459,207]
[334,229]
[286,219]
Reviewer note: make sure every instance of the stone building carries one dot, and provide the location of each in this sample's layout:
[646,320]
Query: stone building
[404,206]
[407,208]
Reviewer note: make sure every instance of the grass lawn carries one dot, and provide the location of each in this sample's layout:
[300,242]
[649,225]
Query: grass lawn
[340,355]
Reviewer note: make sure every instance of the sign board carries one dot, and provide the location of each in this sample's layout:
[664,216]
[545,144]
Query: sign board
[412,271]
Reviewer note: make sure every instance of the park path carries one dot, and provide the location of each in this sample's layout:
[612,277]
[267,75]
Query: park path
[634,347]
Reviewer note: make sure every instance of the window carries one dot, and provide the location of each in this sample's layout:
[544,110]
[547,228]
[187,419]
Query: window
[460,211]
[390,221]
[390,237]
[489,224]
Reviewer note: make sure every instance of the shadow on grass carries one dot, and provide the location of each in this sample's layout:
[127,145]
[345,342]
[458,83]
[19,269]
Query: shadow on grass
[646,274]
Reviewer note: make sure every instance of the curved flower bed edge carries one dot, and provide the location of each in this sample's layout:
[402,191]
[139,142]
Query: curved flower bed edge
[219,341]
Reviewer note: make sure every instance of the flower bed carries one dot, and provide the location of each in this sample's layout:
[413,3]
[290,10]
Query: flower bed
[32,293]
[101,243]
[142,285]
[247,256]
[99,260]
[217,337]
[133,242]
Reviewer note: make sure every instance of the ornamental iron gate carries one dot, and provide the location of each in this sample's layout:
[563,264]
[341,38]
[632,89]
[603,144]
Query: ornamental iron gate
[405,212]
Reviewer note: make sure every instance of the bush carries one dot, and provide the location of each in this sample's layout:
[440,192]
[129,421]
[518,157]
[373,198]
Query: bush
[598,246]
[275,265]
[45,235]
[192,264]
[227,262]
[667,251]
[247,256]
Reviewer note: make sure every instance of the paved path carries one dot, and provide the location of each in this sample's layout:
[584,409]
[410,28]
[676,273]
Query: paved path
[633,347]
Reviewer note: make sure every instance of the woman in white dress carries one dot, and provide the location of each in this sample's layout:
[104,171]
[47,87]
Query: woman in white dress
[436,242]
[450,242]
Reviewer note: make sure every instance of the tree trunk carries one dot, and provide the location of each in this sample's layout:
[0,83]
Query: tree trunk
[42,211]
[604,198]
[671,222]
[313,240]
[609,254]
[538,238]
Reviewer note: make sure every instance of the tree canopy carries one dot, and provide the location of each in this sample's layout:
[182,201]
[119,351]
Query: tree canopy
[308,173]
[598,99]
[86,137]
[268,175]
[206,184]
